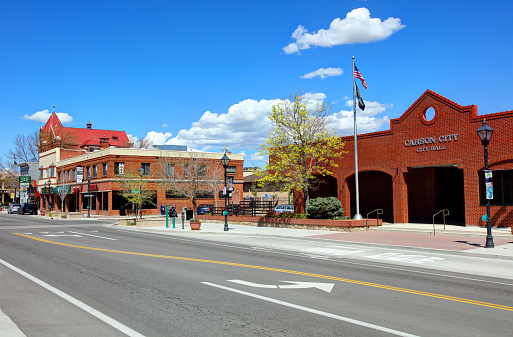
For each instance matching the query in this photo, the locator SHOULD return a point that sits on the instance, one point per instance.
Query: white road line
(319, 257)
(313, 311)
(96, 236)
(110, 321)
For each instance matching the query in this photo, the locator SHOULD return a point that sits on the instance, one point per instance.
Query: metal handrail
(378, 212)
(445, 213)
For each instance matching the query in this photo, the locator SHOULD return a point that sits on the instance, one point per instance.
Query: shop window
(172, 194)
(105, 199)
(502, 188)
(151, 203)
(205, 195)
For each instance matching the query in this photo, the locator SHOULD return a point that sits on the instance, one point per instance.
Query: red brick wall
(386, 152)
(132, 163)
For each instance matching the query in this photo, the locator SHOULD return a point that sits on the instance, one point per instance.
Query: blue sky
(204, 73)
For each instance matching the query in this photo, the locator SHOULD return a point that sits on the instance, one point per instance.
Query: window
(115, 138)
(146, 167)
(40, 174)
(95, 171)
(74, 174)
(88, 174)
(52, 174)
(170, 170)
(91, 149)
(170, 194)
(59, 177)
(231, 170)
(119, 168)
(502, 188)
(105, 168)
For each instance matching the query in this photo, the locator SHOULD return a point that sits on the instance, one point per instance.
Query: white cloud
(323, 73)
(357, 27)
(42, 116)
(245, 126)
(343, 121)
(164, 125)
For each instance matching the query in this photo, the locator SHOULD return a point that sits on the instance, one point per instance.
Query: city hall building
(429, 160)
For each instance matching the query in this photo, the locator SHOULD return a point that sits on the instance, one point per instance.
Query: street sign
(135, 191)
(88, 195)
(24, 179)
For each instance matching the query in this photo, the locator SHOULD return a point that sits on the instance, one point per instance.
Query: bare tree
(191, 176)
(145, 143)
(132, 187)
(25, 148)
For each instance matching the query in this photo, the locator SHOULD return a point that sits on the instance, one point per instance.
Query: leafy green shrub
(131, 223)
(64, 216)
(324, 208)
(288, 215)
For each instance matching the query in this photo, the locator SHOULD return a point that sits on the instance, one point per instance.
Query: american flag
(357, 74)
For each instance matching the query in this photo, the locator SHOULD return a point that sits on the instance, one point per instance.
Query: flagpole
(357, 215)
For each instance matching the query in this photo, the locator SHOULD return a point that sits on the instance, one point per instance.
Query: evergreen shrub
(324, 208)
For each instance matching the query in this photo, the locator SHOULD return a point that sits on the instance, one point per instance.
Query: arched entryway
(376, 191)
(325, 186)
(432, 189)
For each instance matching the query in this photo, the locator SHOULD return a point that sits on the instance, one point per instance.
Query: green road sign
(24, 179)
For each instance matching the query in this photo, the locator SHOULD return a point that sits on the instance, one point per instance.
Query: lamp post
(88, 195)
(485, 133)
(141, 172)
(225, 160)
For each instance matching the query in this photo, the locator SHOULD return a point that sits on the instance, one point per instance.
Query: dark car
(28, 209)
(204, 209)
(13, 208)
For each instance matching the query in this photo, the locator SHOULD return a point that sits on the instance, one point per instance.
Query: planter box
(322, 224)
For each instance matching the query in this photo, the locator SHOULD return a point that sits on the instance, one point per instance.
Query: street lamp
(88, 195)
(225, 160)
(141, 172)
(485, 133)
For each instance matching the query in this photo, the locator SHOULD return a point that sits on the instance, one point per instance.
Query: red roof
(87, 136)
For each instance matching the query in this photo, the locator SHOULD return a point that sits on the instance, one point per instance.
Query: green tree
(301, 145)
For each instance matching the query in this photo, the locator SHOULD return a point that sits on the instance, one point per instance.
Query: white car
(13, 208)
(284, 209)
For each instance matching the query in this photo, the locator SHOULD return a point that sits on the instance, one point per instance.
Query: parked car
(13, 208)
(284, 209)
(204, 209)
(28, 209)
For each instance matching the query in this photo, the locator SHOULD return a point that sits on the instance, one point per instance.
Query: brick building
(430, 159)
(107, 157)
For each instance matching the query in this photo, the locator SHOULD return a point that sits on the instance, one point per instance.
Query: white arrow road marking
(327, 287)
(314, 311)
(96, 236)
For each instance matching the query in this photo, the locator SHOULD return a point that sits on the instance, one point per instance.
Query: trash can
(189, 214)
(162, 209)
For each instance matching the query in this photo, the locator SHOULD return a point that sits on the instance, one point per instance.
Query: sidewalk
(455, 239)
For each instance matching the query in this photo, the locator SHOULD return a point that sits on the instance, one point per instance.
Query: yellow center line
(333, 278)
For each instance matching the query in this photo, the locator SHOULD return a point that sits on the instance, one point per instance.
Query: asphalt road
(63, 278)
